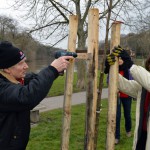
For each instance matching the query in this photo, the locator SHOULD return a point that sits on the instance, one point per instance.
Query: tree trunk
(81, 64)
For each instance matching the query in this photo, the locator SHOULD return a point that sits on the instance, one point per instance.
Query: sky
(6, 9)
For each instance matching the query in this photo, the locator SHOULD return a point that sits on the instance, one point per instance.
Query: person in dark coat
(20, 93)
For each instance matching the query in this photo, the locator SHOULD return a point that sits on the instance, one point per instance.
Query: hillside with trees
(11, 31)
(50, 20)
(139, 43)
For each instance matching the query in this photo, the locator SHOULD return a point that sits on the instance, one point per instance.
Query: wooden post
(92, 68)
(113, 89)
(73, 25)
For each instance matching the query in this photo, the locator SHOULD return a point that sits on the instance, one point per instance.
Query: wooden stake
(92, 68)
(73, 25)
(113, 89)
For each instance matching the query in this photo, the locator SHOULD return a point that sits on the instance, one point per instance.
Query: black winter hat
(9, 55)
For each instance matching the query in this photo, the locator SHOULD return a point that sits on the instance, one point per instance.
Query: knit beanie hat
(9, 55)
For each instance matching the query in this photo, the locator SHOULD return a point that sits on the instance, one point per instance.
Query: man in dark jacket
(19, 93)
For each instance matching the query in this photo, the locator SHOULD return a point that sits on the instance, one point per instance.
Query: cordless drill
(61, 53)
(65, 53)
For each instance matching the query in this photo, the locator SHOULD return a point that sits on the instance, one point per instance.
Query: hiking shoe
(116, 141)
(128, 134)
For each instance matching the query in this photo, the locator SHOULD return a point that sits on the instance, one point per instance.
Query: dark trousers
(141, 144)
(126, 103)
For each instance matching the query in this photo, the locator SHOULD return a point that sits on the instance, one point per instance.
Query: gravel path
(77, 98)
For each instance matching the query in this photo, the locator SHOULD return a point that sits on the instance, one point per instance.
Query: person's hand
(120, 52)
(110, 59)
(61, 63)
(117, 50)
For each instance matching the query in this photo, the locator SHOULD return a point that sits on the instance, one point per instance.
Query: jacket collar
(9, 77)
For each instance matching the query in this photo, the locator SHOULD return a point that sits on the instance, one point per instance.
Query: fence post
(73, 25)
(92, 72)
(113, 89)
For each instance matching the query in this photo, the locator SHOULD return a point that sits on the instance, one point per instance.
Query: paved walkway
(57, 102)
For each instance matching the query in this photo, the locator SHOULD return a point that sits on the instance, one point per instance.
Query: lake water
(36, 65)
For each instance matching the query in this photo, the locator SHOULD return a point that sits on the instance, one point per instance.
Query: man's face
(19, 70)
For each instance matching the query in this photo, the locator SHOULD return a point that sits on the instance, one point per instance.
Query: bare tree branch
(64, 16)
(55, 23)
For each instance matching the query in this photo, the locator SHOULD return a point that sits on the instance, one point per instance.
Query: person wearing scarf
(139, 88)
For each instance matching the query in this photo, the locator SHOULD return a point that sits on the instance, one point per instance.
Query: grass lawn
(59, 85)
(47, 134)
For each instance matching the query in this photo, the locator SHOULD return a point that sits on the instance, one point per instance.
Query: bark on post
(113, 89)
(92, 68)
(73, 25)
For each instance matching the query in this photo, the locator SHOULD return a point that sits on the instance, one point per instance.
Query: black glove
(120, 52)
(110, 60)
(117, 50)
(127, 59)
